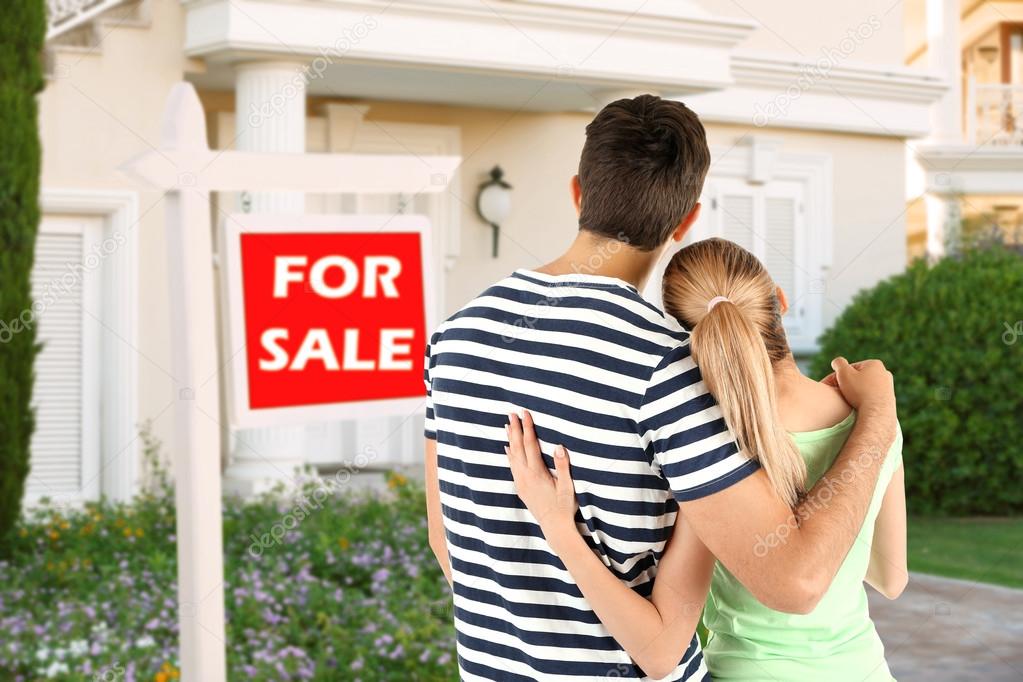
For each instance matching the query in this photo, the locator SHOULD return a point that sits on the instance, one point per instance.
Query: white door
(66, 291)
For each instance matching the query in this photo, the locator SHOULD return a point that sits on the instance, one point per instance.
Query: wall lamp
(493, 202)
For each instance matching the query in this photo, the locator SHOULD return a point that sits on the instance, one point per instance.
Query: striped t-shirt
(610, 377)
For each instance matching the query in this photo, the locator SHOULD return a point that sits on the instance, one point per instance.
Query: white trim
(797, 93)
(232, 227)
(638, 48)
(854, 79)
(64, 16)
(963, 169)
(119, 443)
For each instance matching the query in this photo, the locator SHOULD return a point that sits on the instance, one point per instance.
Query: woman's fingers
(564, 471)
(532, 445)
(516, 453)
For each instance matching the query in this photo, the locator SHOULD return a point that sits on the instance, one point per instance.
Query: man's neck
(591, 254)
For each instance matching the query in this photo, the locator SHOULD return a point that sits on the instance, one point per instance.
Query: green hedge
(21, 77)
(952, 333)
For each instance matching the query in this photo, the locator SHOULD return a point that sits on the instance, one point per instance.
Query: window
(66, 443)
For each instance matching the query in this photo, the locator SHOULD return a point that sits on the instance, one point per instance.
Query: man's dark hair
(642, 170)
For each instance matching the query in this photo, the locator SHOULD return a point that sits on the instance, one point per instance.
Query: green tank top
(836, 642)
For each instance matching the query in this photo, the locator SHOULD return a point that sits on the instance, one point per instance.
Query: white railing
(995, 114)
(65, 15)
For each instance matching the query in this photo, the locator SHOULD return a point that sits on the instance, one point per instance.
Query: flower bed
(322, 585)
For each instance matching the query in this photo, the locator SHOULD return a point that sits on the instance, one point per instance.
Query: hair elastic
(714, 301)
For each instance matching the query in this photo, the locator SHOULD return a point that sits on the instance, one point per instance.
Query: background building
(967, 179)
(808, 107)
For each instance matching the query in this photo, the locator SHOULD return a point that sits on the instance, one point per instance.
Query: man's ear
(783, 301)
(577, 194)
(687, 222)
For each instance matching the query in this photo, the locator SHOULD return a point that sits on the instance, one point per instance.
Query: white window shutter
(65, 445)
(786, 256)
(738, 217)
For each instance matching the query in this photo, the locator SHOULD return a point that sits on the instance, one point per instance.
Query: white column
(270, 117)
(944, 56)
(270, 106)
(944, 222)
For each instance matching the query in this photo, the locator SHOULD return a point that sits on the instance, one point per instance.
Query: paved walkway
(943, 630)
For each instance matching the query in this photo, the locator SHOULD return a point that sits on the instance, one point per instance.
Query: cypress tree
(22, 33)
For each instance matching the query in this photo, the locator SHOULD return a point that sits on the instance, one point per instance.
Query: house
(967, 178)
(808, 108)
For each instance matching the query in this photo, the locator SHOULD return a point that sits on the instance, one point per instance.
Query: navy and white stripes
(608, 376)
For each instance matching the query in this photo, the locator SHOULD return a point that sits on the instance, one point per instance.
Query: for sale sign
(328, 316)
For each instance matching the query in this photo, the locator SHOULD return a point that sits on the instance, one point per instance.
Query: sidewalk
(942, 630)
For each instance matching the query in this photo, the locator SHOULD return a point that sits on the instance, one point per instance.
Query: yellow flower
(139, 532)
(65, 525)
(167, 672)
(160, 677)
(127, 532)
(23, 532)
(119, 522)
(343, 543)
(54, 535)
(396, 480)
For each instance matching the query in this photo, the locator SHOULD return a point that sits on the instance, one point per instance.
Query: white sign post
(188, 171)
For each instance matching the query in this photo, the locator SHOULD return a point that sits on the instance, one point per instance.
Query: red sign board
(328, 314)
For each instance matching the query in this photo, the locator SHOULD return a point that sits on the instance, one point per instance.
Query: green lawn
(988, 550)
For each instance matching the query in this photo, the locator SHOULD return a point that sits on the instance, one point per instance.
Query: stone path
(943, 630)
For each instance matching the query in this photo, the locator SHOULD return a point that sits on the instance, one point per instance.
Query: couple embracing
(601, 476)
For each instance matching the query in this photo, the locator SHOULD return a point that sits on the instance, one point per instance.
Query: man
(608, 376)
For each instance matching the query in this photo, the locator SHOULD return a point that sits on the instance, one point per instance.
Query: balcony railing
(995, 114)
(65, 15)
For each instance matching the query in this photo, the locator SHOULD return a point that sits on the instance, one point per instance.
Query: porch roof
(966, 169)
(530, 54)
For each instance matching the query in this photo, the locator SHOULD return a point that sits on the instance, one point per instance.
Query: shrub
(317, 587)
(952, 333)
(21, 48)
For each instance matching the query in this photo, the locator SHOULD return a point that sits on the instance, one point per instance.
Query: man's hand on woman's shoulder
(869, 387)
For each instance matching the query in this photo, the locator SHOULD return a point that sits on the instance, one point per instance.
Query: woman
(796, 427)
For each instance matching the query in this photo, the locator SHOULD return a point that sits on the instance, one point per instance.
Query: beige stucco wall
(809, 28)
(100, 108)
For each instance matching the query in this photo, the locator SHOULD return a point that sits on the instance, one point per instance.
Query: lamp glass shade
(495, 204)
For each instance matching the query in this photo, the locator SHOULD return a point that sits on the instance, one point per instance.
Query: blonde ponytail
(730, 342)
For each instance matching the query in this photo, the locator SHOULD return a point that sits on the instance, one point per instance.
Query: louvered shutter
(768, 220)
(786, 258)
(65, 445)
